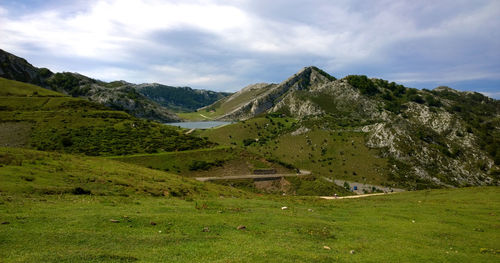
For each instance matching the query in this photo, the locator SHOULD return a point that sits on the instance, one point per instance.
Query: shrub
(247, 142)
(433, 102)
(80, 191)
(363, 84)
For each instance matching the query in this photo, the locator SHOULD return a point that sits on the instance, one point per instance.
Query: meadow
(458, 225)
(63, 208)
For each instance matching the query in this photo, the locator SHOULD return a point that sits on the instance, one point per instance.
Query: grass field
(458, 225)
(63, 208)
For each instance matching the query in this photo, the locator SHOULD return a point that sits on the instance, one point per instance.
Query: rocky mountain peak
(306, 77)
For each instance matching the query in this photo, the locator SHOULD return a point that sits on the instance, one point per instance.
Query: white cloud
(189, 74)
(107, 28)
(114, 34)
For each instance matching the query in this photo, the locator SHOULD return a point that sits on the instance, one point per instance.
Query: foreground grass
(459, 225)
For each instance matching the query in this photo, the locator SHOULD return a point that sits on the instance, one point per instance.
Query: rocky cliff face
(441, 137)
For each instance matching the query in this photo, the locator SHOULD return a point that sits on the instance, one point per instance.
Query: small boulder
(241, 227)
(206, 229)
(352, 252)
(327, 247)
(114, 221)
(284, 208)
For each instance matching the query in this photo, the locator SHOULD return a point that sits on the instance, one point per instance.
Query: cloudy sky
(225, 45)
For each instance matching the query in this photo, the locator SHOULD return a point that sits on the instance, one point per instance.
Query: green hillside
(53, 122)
(340, 154)
(16, 88)
(117, 95)
(218, 161)
(30, 172)
(233, 161)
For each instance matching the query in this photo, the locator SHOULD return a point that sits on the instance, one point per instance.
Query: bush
(80, 191)
(67, 142)
(363, 83)
(433, 102)
(204, 165)
(247, 142)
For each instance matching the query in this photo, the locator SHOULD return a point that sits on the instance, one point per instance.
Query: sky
(224, 45)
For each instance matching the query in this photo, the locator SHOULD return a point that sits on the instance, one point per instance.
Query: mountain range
(425, 138)
(439, 137)
(151, 101)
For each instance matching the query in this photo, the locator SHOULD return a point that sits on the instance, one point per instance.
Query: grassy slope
(221, 161)
(16, 88)
(27, 172)
(228, 161)
(454, 225)
(222, 106)
(79, 126)
(339, 155)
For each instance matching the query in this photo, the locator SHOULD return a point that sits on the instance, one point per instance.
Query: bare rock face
(435, 144)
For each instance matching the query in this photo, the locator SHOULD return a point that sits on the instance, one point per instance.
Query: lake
(199, 124)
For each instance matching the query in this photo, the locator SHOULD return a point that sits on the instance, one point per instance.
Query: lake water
(199, 124)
